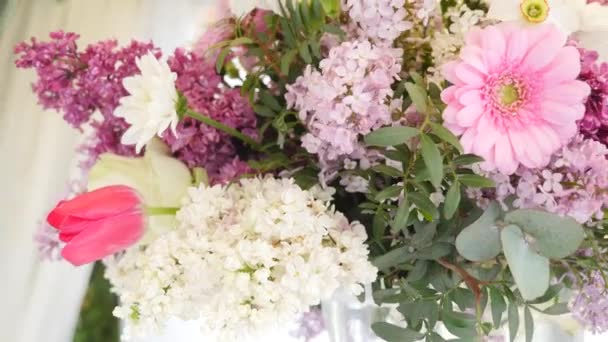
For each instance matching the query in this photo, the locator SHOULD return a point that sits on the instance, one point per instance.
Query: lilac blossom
(590, 305)
(349, 96)
(573, 184)
(309, 325)
(594, 124)
(197, 144)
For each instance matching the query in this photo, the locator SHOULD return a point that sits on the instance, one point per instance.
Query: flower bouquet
(448, 156)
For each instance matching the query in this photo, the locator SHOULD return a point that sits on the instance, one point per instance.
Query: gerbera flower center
(508, 93)
(535, 11)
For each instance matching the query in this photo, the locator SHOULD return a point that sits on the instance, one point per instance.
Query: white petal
(505, 10)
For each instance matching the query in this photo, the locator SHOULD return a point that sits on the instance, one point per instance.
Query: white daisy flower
(150, 106)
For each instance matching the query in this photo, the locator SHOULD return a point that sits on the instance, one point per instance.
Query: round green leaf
(481, 240)
(530, 270)
(556, 237)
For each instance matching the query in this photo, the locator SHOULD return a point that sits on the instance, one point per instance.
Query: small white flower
(586, 21)
(150, 106)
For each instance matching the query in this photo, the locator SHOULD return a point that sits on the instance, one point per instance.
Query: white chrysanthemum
(247, 257)
(150, 106)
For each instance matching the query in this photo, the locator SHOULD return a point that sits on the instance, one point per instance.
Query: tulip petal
(105, 237)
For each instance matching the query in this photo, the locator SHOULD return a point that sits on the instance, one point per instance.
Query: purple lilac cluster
(347, 98)
(309, 325)
(197, 144)
(573, 184)
(595, 123)
(79, 83)
(590, 304)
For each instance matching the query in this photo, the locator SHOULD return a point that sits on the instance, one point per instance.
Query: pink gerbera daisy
(515, 98)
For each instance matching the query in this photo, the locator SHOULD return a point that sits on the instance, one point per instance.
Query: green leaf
(388, 170)
(419, 310)
(476, 181)
(466, 159)
(424, 234)
(513, 320)
(556, 237)
(403, 213)
(221, 58)
(393, 333)
(418, 96)
(530, 270)
(551, 293)
(445, 135)
(395, 257)
(390, 192)
(481, 240)
(270, 101)
(390, 136)
(432, 159)
(452, 200)
(424, 205)
(436, 251)
(529, 324)
(419, 271)
(286, 61)
(305, 53)
(435, 337)
(498, 306)
(379, 224)
(264, 111)
(459, 324)
(557, 309)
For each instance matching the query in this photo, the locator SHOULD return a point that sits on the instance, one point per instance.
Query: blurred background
(54, 301)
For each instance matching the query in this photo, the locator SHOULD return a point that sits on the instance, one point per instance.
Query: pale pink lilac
(380, 21)
(543, 99)
(349, 96)
(309, 325)
(573, 184)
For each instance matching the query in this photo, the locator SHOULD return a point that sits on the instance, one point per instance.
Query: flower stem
(161, 211)
(226, 129)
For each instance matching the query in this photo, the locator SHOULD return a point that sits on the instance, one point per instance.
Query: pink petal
(545, 50)
(565, 67)
(449, 72)
(93, 205)
(519, 145)
(486, 136)
(569, 93)
(449, 114)
(474, 57)
(467, 116)
(503, 156)
(447, 95)
(474, 37)
(469, 75)
(558, 113)
(104, 237)
(493, 40)
(470, 97)
(467, 140)
(517, 46)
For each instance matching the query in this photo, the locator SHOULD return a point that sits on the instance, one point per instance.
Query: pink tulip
(98, 223)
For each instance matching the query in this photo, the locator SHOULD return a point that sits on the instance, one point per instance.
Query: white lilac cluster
(446, 44)
(246, 257)
(380, 21)
(348, 97)
(574, 183)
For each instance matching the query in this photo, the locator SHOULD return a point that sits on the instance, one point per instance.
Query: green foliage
(481, 240)
(96, 322)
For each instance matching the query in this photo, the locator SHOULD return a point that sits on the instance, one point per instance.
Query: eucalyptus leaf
(556, 237)
(481, 240)
(530, 270)
(390, 136)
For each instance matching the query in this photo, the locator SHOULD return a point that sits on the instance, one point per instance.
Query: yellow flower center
(535, 11)
(508, 94)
